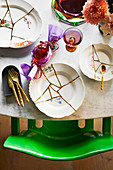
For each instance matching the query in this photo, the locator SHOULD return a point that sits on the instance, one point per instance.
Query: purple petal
(55, 33)
(26, 70)
(33, 72)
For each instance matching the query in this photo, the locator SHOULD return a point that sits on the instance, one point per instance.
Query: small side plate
(6, 89)
(105, 54)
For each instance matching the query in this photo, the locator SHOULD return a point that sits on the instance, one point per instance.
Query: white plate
(25, 31)
(105, 54)
(73, 93)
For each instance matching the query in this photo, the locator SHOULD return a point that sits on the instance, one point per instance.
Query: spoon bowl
(102, 71)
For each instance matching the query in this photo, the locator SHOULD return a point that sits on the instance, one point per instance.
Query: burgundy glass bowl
(72, 7)
(72, 37)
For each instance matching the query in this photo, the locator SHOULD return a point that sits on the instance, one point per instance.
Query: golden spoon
(102, 70)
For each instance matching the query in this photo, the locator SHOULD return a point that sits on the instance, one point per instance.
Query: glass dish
(72, 38)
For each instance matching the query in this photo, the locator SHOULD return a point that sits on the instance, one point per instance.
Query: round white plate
(27, 24)
(105, 54)
(72, 93)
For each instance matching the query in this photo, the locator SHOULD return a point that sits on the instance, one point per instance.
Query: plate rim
(41, 23)
(67, 114)
(80, 61)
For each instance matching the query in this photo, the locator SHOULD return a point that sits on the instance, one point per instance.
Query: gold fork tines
(19, 93)
(16, 78)
(11, 85)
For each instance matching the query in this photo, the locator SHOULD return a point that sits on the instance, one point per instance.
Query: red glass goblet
(72, 37)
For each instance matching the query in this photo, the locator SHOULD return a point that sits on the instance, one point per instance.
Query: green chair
(60, 140)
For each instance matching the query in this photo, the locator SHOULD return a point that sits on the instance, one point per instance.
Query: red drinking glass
(72, 37)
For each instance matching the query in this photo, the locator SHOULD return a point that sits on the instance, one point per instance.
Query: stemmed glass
(72, 37)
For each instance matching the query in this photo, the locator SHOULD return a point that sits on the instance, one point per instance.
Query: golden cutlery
(15, 77)
(102, 70)
(11, 85)
(19, 93)
(26, 98)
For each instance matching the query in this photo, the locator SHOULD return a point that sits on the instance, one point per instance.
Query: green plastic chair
(60, 140)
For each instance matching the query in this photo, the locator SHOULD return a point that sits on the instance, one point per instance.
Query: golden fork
(11, 85)
(15, 77)
(15, 81)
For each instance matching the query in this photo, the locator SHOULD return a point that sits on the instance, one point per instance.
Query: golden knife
(20, 95)
(26, 98)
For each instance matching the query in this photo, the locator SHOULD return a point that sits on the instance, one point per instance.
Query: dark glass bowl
(72, 7)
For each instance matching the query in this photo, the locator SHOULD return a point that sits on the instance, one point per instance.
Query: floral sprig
(5, 23)
(107, 28)
(95, 12)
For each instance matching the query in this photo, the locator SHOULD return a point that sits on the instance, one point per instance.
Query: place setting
(96, 62)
